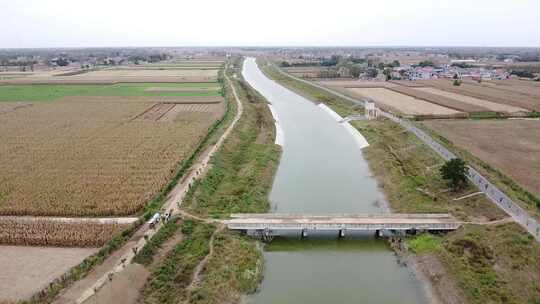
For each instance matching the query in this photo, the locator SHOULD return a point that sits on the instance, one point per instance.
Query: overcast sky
(76, 23)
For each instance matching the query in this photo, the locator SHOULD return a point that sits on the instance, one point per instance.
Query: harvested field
(513, 146)
(32, 93)
(531, 88)
(145, 99)
(80, 157)
(487, 93)
(156, 111)
(123, 76)
(471, 102)
(140, 73)
(440, 99)
(407, 83)
(12, 106)
(43, 232)
(27, 270)
(407, 105)
(172, 89)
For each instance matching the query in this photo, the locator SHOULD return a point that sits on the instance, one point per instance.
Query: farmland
(135, 74)
(44, 232)
(487, 93)
(403, 103)
(437, 99)
(79, 144)
(513, 146)
(53, 92)
(95, 156)
(51, 263)
(472, 104)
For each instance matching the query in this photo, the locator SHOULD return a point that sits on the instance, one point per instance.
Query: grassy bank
(239, 180)
(488, 263)
(407, 171)
(243, 169)
(171, 276)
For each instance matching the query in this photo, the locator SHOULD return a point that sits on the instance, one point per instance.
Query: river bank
(215, 265)
(481, 263)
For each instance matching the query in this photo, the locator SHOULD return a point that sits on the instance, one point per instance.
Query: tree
(62, 62)
(388, 73)
(455, 171)
(355, 70)
(426, 63)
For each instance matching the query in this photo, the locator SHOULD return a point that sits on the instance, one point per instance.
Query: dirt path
(116, 263)
(196, 279)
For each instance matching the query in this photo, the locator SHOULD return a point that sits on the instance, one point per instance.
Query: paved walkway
(492, 192)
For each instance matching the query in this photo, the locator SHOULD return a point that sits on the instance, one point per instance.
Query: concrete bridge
(269, 225)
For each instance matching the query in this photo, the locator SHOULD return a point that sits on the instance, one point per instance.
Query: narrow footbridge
(275, 224)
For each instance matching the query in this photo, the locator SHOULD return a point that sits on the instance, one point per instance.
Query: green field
(53, 92)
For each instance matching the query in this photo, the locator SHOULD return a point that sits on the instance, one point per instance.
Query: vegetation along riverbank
(219, 266)
(489, 260)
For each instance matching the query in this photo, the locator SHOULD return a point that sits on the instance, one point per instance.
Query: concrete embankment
(359, 139)
(280, 136)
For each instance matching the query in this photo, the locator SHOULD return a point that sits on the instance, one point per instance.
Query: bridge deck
(343, 221)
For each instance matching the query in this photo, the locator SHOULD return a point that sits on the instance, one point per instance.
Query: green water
(322, 170)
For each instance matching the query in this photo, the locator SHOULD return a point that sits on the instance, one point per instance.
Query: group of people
(156, 218)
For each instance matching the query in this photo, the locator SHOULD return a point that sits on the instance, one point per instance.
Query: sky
(111, 23)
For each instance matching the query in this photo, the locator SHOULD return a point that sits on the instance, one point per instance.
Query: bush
(424, 243)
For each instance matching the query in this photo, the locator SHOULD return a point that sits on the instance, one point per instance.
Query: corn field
(93, 158)
(43, 232)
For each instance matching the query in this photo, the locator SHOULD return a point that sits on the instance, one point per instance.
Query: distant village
(411, 65)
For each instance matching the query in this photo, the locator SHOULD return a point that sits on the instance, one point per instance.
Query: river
(322, 170)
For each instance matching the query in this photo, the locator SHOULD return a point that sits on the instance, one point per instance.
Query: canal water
(322, 170)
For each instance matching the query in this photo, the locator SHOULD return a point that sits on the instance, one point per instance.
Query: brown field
(531, 88)
(165, 89)
(27, 270)
(122, 76)
(440, 99)
(513, 146)
(390, 100)
(487, 93)
(44, 232)
(92, 156)
(407, 83)
(471, 102)
(12, 106)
